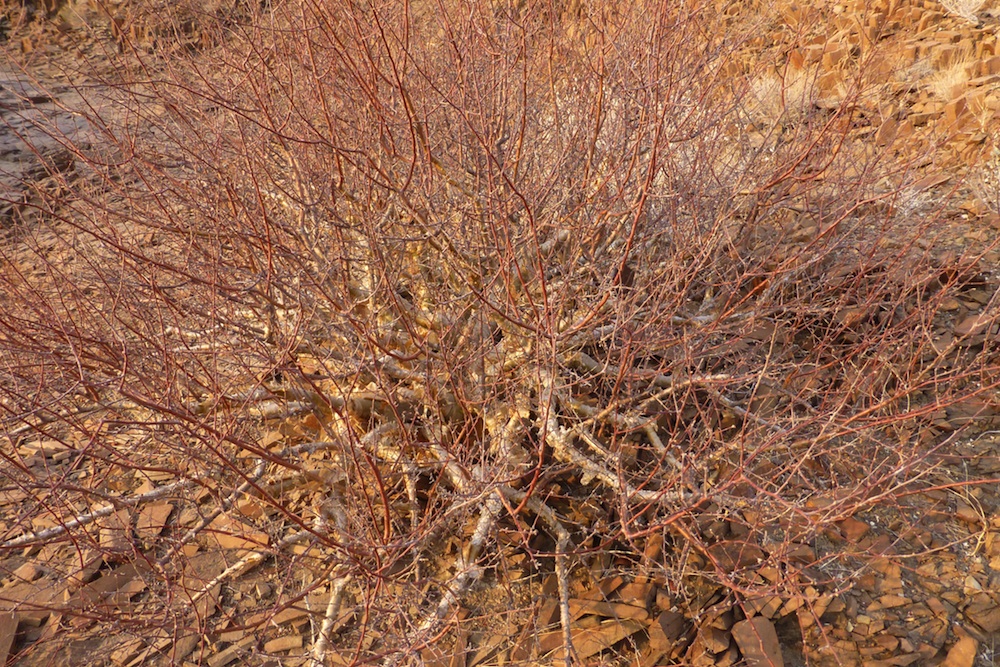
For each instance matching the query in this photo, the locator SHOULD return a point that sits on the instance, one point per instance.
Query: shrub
(401, 298)
(966, 9)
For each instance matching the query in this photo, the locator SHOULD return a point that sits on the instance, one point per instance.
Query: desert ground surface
(314, 354)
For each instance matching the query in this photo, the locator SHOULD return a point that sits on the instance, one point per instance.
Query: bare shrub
(399, 298)
(965, 9)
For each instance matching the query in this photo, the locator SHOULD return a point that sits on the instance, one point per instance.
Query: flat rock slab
(758, 642)
(8, 628)
(962, 654)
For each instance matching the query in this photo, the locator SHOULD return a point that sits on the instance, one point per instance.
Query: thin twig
(90, 517)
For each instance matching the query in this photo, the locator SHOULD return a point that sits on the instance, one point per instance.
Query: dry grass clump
(950, 81)
(415, 295)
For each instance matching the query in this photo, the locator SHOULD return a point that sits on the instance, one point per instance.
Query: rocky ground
(915, 582)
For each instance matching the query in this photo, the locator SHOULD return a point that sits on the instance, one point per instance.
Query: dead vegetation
(485, 330)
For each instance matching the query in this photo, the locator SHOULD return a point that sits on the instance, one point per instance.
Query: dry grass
(949, 82)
